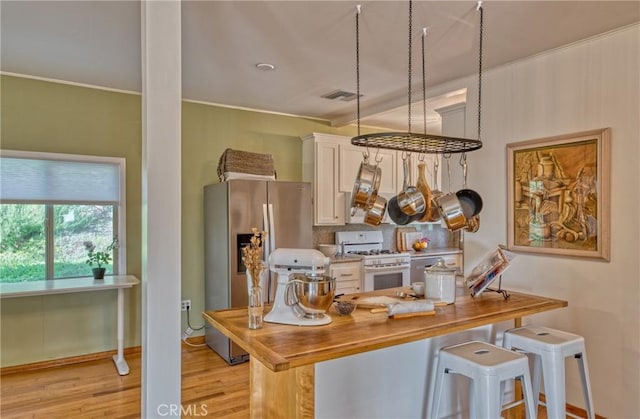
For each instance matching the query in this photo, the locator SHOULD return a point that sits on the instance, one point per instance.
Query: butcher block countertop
(282, 347)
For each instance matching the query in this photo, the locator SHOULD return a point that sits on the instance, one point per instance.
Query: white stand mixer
(285, 262)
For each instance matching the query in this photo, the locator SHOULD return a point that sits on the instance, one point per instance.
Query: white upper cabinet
(350, 158)
(320, 163)
(331, 163)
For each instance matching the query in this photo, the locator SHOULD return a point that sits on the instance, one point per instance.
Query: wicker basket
(237, 161)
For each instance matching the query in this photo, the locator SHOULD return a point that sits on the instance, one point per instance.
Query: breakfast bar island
(364, 364)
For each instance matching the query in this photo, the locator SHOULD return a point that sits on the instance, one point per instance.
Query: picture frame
(558, 195)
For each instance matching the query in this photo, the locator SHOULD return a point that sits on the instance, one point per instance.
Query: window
(50, 204)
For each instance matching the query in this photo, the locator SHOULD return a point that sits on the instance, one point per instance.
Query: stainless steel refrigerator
(231, 210)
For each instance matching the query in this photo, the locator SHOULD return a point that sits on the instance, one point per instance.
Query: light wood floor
(95, 390)
(210, 387)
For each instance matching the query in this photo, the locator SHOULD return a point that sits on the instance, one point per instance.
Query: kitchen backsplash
(439, 238)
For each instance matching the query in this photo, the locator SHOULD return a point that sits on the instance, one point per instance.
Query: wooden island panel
(283, 357)
(280, 347)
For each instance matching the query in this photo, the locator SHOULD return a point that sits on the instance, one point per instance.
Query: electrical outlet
(186, 305)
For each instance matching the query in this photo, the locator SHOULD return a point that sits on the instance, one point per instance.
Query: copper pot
(366, 185)
(395, 209)
(375, 214)
(473, 224)
(451, 211)
(410, 199)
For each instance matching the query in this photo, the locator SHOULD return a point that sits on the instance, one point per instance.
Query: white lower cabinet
(348, 277)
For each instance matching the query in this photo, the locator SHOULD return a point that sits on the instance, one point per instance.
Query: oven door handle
(387, 268)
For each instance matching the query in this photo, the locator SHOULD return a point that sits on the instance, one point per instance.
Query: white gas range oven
(381, 268)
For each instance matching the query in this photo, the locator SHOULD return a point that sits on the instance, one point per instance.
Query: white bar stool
(487, 366)
(550, 347)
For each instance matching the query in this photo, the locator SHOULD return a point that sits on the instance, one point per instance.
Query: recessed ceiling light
(265, 66)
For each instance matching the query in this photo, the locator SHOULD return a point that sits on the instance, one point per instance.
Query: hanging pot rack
(418, 143)
(411, 141)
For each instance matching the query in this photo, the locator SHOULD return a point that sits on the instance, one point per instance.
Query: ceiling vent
(340, 95)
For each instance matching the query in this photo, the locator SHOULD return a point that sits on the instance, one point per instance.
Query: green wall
(52, 117)
(57, 118)
(206, 132)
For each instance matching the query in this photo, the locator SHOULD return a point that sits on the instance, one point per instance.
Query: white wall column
(161, 205)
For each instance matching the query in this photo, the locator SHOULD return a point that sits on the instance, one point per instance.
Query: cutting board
(401, 244)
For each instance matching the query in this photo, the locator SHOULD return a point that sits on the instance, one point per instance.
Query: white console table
(72, 285)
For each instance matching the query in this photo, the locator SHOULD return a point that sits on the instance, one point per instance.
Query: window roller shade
(38, 180)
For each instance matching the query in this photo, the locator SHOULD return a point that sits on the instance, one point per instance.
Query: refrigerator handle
(265, 223)
(272, 230)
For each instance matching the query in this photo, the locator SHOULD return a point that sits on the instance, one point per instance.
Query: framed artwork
(558, 195)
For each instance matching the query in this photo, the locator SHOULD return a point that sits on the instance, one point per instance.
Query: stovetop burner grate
(373, 252)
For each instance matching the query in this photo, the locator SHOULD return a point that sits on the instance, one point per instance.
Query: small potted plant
(99, 258)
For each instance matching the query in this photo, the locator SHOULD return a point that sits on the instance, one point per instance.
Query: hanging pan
(366, 184)
(375, 214)
(410, 199)
(473, 224)
(433, 213)
(470, 200)
(449, 206)
(402, 200)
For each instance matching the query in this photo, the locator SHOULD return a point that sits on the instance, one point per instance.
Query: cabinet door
(328, 202)
(348, 277)
(350, 159)
(454, 261)
(346, 288)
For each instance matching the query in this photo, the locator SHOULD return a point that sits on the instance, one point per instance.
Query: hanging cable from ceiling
(419, 142)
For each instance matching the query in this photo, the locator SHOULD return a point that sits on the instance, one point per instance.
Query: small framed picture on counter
(558, 195)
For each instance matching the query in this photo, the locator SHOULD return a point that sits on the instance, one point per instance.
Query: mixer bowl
(312, 293)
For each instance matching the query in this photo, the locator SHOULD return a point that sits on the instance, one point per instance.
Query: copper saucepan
(410, 199)
(473, 224)
(375, 214)
(366, 185)
(451, 211)
(395, 209)
(450, 208)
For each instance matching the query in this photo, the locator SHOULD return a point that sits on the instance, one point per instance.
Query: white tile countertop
(429, 252)
(345, 259)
